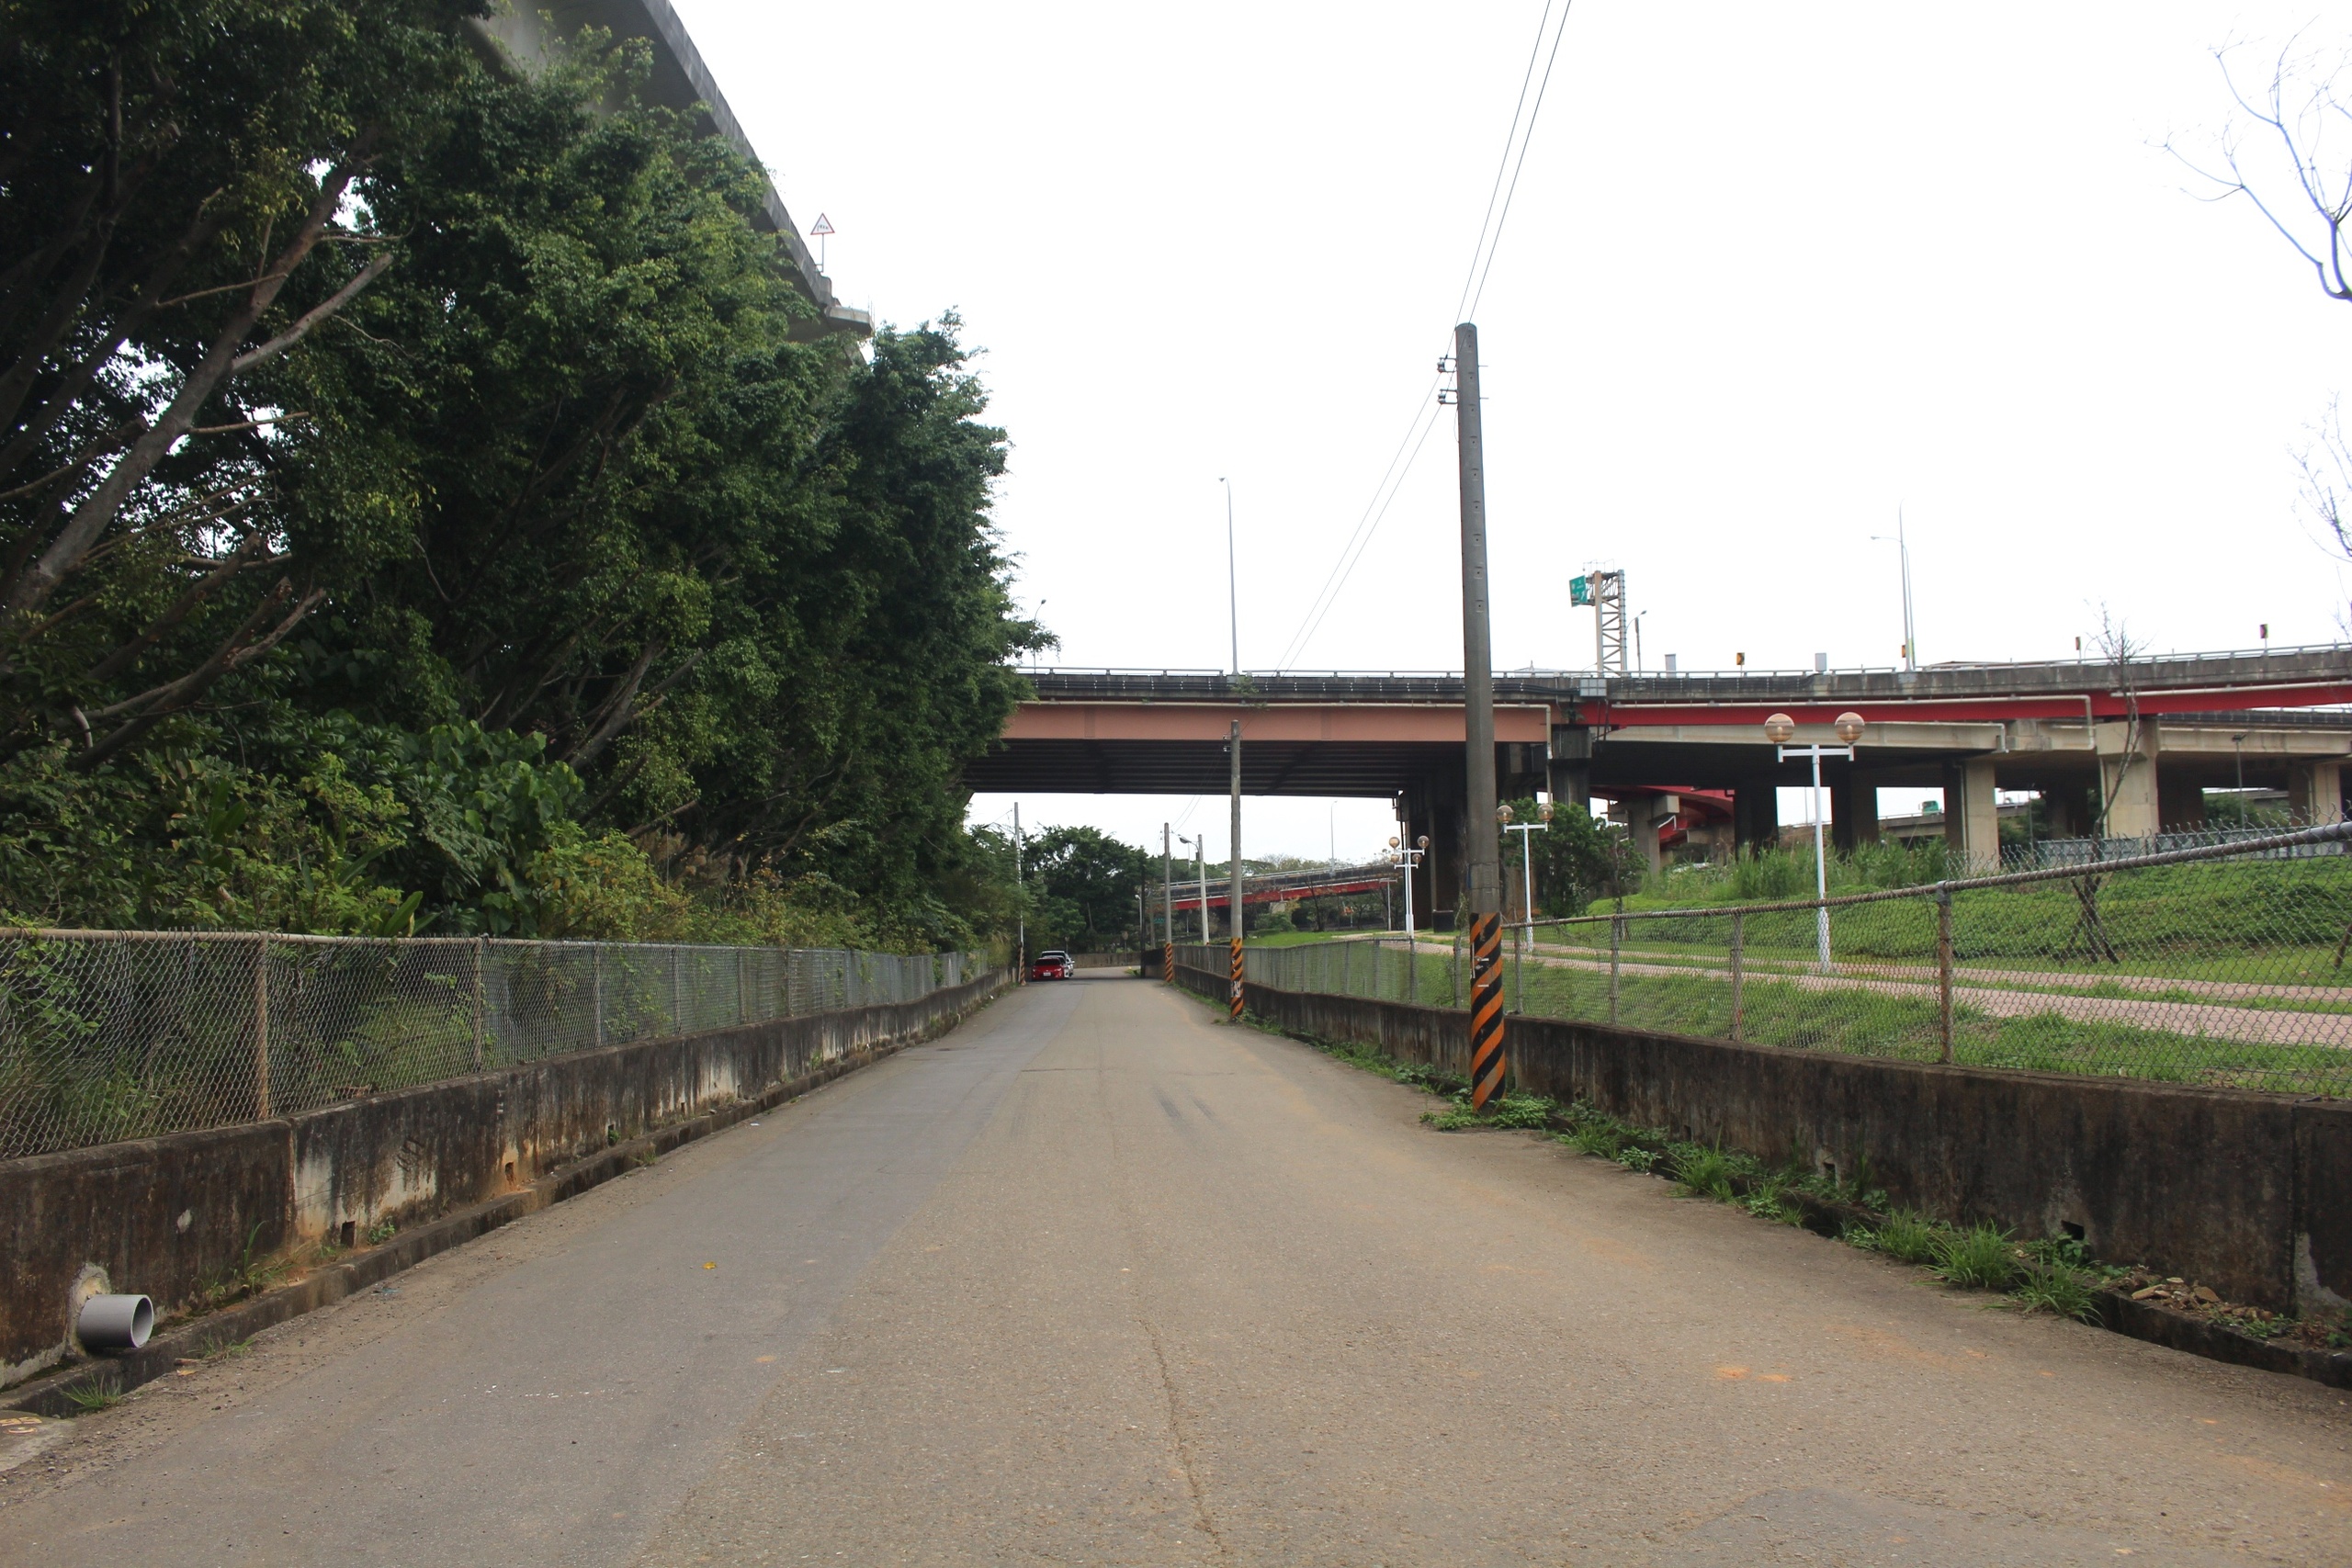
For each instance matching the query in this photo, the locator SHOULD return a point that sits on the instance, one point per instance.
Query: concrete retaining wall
(175, 1217)
(2249, 1193)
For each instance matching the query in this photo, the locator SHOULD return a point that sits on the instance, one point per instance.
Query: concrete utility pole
(1482, 875)
(1020, 914)
(1167, 904)
(1234, 744)
(1201, 875)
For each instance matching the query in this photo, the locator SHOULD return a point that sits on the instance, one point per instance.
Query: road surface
(1098, 1279)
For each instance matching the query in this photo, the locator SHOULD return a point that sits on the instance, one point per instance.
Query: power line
(1524, 141)
(1473, 288)
(1512, 135)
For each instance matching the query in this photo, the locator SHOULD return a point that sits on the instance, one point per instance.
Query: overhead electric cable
(1473, 288)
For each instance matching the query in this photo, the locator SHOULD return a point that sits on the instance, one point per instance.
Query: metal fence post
(596, 984)
(1738, 979)
(1616, 944)
(1518, 958)
(481, 955)
(1943, 963)
(261, 1029)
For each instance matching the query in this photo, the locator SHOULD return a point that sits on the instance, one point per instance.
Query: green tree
(1576, 859)
(1084, 884)
(376, 405)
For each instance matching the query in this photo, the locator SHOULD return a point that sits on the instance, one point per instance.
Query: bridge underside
(1365, 770)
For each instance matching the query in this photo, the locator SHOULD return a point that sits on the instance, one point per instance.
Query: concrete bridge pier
(1570, 766)
(2315, 791)
(1972, 813)
(1756, 814)
(2127, 777)
(1853, 810)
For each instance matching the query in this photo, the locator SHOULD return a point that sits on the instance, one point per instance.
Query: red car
(1054, 964)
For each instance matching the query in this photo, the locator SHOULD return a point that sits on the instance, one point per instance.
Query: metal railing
(108, 1035)
(2222, 964)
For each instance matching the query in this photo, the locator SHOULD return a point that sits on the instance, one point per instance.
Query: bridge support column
(1755, 814)
(2127, 778)
(1441, 809)
(2315, 792)
(2180, 804)
(1971, 815)
(1570, 767)
(1853, 810)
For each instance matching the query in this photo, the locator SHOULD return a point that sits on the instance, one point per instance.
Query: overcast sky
(1770, 274)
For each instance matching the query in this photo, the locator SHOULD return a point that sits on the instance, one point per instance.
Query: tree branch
(96, 512)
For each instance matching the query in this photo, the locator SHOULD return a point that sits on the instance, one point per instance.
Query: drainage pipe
(116, 1323)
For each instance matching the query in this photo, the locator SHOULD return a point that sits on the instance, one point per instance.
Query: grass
(1980, 1258)
(2055, 1287)
(102, 1392)
(1905, 1237)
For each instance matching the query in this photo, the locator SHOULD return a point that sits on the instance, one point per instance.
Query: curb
(161, 1356)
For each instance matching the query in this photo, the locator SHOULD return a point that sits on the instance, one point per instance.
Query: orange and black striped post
(1486, 1009)
(1237, 980)
(1168, 961)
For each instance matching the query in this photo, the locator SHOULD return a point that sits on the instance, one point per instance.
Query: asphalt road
(1096, 1278)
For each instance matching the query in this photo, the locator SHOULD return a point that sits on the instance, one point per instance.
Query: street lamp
(1526, 851)
(1201, 865)
(1408, 857)
(1903, 547)
(1779, 729)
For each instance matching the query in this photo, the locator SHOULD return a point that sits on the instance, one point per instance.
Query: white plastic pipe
(116, 1323)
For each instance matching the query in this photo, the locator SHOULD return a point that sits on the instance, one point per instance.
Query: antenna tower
(1605, 593)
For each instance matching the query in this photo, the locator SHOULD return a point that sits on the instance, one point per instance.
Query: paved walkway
(1096, 1280)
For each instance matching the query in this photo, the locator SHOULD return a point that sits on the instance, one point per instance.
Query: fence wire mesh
(2222, 964)
(106, 1035)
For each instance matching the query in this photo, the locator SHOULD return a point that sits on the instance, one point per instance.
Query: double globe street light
(1780, 729)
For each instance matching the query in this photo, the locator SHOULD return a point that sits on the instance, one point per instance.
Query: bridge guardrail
(108, 1035)
(2222, 964)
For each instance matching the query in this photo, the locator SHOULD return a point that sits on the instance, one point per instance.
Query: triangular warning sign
(824, 226)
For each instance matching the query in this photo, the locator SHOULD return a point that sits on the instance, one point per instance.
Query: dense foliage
(417, 509)
(1082, 887)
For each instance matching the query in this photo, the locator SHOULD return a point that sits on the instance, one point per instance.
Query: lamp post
(1780, 729)
(1201, 870)
(1903, 556)
(1527, 854)
(1408, 857)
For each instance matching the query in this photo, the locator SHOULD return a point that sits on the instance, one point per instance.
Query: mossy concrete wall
(2248, 1193)
(175, 1217)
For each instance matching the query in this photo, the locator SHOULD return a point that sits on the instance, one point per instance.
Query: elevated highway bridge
(2143, 739)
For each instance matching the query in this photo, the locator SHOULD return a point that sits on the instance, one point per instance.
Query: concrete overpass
(2145, 738)
(528, 37)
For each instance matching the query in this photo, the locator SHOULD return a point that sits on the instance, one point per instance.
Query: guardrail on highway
(2222, 964)
(108, 1035)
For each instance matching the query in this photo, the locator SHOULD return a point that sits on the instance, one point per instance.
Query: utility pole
(1201, 875)
(1482, 875)
(1234, 744)
(1167, 905)
(1232, 577)
(1020, 907)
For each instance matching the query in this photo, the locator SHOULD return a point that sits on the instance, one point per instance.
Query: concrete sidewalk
(1098, 1279)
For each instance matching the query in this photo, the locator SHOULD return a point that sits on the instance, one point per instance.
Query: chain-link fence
(106, 1035)
(2220, 965)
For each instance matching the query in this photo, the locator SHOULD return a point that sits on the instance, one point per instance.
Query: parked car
(1052, 965)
